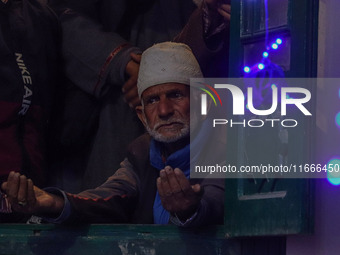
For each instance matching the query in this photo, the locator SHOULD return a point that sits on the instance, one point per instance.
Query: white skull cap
(167, 62)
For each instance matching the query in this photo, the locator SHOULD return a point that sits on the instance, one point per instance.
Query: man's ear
(140, 114)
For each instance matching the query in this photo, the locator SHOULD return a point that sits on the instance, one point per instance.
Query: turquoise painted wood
(49, 239)
(109, 239)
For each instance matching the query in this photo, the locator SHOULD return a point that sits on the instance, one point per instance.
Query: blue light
(246, 69)
(279, 41)
(275, 46)
(337, 119)
(273, 86)
(339, 93)
(260, 66)
(265, 54)
(333, 174)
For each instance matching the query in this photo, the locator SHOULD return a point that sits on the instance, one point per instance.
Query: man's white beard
(193, 122)
(183, 132)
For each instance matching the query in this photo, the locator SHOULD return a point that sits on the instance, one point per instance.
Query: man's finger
(225, 7)
(4, 186)
(131, 93)
(182, 180)
(136, 57)
(132, 68)
(134, 102)
(224, 14)
(131, 97)
(30, 192)
(165, 184)
(22, 191)
(173, 182)
(131, 83)
(160, 187)
(197, 188)
(166, 197)
(13, 186)
(163, 192)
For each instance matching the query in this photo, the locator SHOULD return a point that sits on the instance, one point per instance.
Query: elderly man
(152, 185)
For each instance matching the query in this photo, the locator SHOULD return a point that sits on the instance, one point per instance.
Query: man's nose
(165, 108)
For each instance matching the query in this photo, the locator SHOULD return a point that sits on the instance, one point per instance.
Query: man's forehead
(164, 88)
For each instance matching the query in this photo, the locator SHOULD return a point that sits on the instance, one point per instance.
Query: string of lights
(265, 57)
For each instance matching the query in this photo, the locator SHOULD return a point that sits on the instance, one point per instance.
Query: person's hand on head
(225, 11)
(223, 7)
(178, 196)
(24, 197)
(130, 87)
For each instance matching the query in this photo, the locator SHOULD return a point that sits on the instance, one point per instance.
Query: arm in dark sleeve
(211, 209)
(112, 202)
(94, 57)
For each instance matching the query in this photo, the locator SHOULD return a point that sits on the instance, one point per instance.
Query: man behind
(152, 185)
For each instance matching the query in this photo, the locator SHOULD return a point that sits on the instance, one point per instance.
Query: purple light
(279, 41)
(246, 69)
(337, 119)
(260, 66)
(265, 54)
(333, 171)
(275, 46)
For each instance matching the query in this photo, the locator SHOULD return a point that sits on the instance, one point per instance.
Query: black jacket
(28, 72)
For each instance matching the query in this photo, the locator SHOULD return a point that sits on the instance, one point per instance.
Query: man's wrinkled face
(166, 111)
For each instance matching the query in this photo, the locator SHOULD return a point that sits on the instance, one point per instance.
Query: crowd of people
(81, 81)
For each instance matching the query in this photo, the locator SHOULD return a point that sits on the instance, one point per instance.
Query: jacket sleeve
(112, 202)
(211, 210)
(94, 57)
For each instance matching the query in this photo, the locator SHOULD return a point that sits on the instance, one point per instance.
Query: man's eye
(175, 95)
(151, 100)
